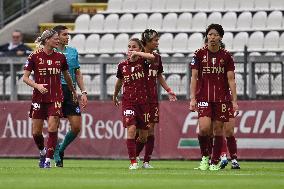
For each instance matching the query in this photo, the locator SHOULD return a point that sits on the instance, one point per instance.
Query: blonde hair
(47, 34)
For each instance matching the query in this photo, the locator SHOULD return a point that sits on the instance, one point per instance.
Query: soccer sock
(217, 149)
(210, 145)
(139, 147)
(232, 146)
(42, 152)
(224, 148)
(149, 147)
(51, 144)
(204, 144)
(131, 146)
(70, 136)
(39, 140)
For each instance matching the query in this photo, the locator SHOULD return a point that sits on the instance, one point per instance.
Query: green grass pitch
(99, 174)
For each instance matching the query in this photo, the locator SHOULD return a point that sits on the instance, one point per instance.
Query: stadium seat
(261, 4)
(228, 40)
(143, 6)
(170, 22)
(136, 35)
(120, 43)
(271, 41)
(82, 23)
(158, 5)
(232, 5)
(155, 21)
(240, 40)
(183, 85)
(78, 41)
(164, 55)
(106, 43)
(174, 82)
(259, 20)
(90, 56)
(195, 41)
(125, 23)
(199, 21)
(255, 42)
(180, 43)
(244, 21)
(22, 88)
(140, 22)
(214, 17)
(111, 22)
(165, 43)
(97, 23)
(202, 5)
(262, 85)
(105, 55)
(184, 22)
(129, 5)
(111, 68)
(187, 5)
(274, 20)
(229, 21)
(276, 5)
(178, 55)
(281, 41)
(246, 4)
(119, 55)
(1, 84)
(8, 85)
(114, 5)
(110, 82)
(216, 5)
(276, 85)
(96, 83)
(240, 84)
(173, 5)
(92, 43)
(276, 67)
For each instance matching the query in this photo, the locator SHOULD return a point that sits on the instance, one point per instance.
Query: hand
(115, 101)
(84, 100)
(41, 88)
(235, 107)
(192, 105)
(131, 55)
(172, 96)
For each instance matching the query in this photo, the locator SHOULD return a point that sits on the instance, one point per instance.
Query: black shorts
(69, 107)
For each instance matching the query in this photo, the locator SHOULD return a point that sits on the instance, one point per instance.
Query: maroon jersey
(212, 81)
(47, 70)
(155, 68)
(133, 75)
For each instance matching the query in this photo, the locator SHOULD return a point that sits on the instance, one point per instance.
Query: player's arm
(193, 84)
(148, 56)
(68, 80)
(28, 81)
(80, 82)
(171, 94)
(117, 88)
(232, 85)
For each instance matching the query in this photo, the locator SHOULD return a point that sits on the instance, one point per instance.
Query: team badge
(132, 69)
(214, 61)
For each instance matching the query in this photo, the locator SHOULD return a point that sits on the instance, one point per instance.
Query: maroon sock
(51, 144)
(217, 149)
(39, 140)
(210, 146)
(131, 146)
(149, 147)
(232, 146)
(224, 147)
(139, 147)
(204, 145)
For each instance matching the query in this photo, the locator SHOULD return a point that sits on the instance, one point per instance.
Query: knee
(218, 131)
(142, 139)
(203, 131)
(76, 130)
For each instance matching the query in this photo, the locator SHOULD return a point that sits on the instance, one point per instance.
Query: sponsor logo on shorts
(36, 106)
(202, 104)
(78, 110)
(128, 113)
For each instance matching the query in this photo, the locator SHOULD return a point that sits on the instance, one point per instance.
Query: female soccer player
(132, 74)
(150, 40)
(212, 79)
(47, 99)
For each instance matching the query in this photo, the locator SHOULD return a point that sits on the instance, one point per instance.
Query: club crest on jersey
(132, 69)
(49, 62)
(204, 58)
(57, 62)
(214, 60)
(124, 69)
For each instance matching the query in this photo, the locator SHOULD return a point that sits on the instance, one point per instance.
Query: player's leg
(39, 140)
(231, 142)
(140, 143)
(131, 146)
(204, 123)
